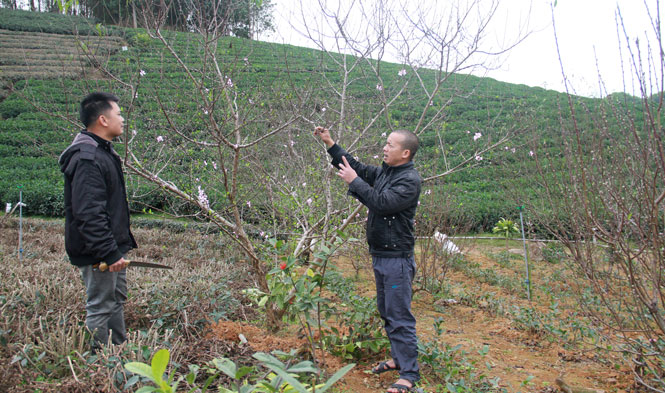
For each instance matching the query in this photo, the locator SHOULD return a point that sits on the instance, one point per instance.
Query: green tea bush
(14, 106)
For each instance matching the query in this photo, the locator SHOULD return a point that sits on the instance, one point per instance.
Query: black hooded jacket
(391, 196)
(96, 209)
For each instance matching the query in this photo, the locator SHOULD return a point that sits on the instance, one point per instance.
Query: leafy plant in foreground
(283, 378)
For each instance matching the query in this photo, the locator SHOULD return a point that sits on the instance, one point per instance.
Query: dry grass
(43, 341)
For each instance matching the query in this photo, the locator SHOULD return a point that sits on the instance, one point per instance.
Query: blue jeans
(106, 295)
(393, 298)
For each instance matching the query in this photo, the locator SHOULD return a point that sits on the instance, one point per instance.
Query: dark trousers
(393, 297)
(106, 295)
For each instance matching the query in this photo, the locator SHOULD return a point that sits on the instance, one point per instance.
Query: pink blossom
(249, 204)
(203, 198)
(133, 132)
(402, 72)
(376, 156)
(531, 153)
(205, 162)
(304, 184)
(477, 136)
(323, 109)
(427, 192)
(142, 73)
(309, 201)
(214, 165)
(379, 87)
(384, 134)
(512, 150)
(479, 158)
(160, 139)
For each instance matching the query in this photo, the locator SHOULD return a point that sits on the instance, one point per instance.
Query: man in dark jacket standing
(97, 216)
(391, 194)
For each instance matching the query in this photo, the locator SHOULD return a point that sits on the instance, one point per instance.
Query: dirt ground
(523, 362)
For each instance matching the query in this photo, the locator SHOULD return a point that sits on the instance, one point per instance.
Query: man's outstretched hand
(324, 134)
(346, 172)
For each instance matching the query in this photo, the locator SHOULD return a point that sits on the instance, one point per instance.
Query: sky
(586, 32)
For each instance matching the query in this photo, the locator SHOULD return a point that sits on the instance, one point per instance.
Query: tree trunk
(133, 15)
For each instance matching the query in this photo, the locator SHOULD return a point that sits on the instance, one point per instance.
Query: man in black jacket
(97, 216)
(391, 194)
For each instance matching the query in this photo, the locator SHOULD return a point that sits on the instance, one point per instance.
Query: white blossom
(203, 198)
(160, 138)
(124, 48)
(402, 72)
(379, 87)
(479, 158)
(142, 73)
(477, 136)
(323, 109)
(309, 201)
(531, 153)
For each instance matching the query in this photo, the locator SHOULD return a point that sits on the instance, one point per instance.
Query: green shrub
(14, 106)
(553, 252)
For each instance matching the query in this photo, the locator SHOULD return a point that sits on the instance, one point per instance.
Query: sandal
(383, 367)
(403, 388)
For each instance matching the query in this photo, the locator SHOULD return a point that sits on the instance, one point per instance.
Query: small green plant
(553, 252)
(506, 228)
(155, 372)
(452, 369)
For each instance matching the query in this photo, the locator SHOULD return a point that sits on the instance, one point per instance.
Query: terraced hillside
(49, 73)
(30, 55)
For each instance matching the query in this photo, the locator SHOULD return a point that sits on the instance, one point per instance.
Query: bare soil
(515, 356)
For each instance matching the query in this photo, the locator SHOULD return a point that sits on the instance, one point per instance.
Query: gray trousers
(106, 295)
(393, 298)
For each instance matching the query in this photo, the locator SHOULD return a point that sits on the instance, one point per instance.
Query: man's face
(113, 121)
(393, 154)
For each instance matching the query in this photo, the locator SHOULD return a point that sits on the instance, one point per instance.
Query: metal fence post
(526, 257)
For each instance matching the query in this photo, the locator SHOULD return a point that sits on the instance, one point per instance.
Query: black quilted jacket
(96, 209)
(391, 196)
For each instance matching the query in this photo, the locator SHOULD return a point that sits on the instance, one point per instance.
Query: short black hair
(410, 142)
(94, 104)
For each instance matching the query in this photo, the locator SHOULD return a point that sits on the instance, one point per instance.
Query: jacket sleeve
(392, 199)
(368, 173)
(89, 197)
